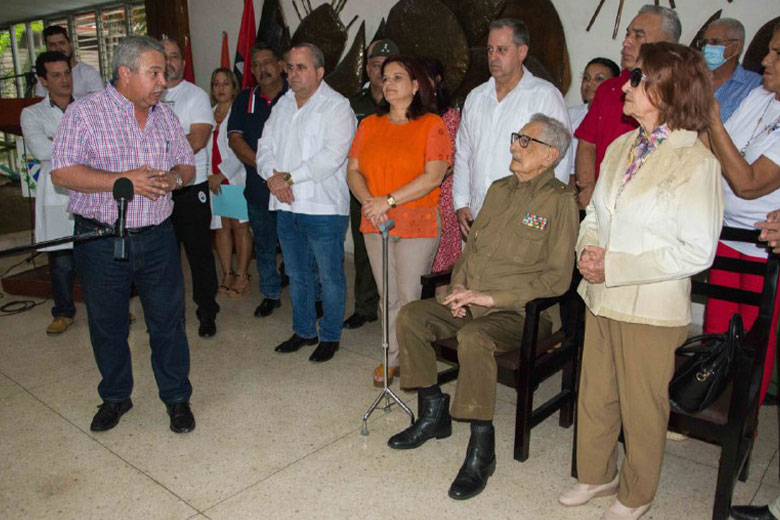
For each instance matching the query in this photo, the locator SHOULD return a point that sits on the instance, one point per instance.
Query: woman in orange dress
(397, 162)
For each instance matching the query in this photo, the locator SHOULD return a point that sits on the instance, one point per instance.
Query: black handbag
(704, 375)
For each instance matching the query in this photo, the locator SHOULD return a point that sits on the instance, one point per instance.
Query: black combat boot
(480, 463)
(433, 421)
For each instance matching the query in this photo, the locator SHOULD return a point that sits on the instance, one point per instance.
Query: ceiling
(19, 10)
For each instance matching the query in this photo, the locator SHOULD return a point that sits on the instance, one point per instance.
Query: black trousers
(366, 294)
(192, 222)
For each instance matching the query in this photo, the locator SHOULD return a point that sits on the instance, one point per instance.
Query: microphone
(123, 194)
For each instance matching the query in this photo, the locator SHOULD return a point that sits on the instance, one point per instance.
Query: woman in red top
(397, 162)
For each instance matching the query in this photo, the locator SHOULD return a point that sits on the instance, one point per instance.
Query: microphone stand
(101, 233)
(123, 193)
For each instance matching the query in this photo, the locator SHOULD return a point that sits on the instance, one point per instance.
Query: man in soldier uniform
(491, 283)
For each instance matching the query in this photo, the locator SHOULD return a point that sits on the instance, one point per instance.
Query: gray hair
(129, 51)
(734, 29)
(519, 30)
(554, 133)
(316, 54)
(670, 22)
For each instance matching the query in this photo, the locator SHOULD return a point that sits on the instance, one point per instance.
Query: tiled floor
(278, 437)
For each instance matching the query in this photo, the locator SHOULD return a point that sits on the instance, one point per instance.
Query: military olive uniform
(521, 247)
(366, 294)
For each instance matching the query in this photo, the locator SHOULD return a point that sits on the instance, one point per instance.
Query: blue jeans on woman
(307, 239)
(154, 267)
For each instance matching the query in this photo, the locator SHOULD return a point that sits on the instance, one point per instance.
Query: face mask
(713, 55)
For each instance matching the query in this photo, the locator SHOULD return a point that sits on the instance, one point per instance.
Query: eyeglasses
(701, 42)
(636, 77)
(524, 140)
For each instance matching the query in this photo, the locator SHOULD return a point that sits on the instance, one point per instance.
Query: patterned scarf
(644, 146)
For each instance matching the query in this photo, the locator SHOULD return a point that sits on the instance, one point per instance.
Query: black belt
(130, 231)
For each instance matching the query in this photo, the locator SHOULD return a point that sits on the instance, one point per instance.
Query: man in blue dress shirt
(722, 45)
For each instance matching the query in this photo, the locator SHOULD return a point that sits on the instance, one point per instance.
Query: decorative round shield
(430, 28)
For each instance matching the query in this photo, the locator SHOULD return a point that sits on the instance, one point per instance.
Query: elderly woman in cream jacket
(652, 223)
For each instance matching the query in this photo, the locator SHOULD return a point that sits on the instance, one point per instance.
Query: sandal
(379, 375)
(239, 291)
(224, 288)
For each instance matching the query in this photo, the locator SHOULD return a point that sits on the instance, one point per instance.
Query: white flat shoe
(618, 511)
(580, 494)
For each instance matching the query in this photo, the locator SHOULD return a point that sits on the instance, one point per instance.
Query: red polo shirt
(605, 121)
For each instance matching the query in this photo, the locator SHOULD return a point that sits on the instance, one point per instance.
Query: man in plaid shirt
(122, 131)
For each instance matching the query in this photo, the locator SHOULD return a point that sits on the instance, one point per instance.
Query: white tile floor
(278, 437)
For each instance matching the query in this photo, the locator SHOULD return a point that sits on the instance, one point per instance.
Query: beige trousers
(626, 369)
(408, 259)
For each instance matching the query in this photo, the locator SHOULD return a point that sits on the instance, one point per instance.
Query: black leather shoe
(480, 463)
(324, 351)
(752, 513)
(357, 320)
(207, 328)
(434, 421)
(295, 343)
(108, 415)
(318, 309)
(182, 420)
(266, 307)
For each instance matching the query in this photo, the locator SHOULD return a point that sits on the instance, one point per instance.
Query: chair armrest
(537, 305)
(433, 280)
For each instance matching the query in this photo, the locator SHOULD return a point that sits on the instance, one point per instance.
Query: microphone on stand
(123, 194)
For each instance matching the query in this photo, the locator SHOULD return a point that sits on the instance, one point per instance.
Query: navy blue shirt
(248, 115)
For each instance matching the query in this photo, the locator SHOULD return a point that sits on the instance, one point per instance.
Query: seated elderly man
(521, 247)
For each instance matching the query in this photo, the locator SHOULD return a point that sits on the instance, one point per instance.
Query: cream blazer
(662, 230)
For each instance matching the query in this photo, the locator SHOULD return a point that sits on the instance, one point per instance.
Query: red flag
(246, 38)
(225, 59)
(189, 71)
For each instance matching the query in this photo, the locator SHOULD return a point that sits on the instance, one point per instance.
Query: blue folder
(230, 203)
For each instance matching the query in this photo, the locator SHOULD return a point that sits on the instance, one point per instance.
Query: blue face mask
(713, 55)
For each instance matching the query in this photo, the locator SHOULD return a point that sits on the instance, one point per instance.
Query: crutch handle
(386, 227)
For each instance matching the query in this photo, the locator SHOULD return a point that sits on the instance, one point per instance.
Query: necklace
(758, 133)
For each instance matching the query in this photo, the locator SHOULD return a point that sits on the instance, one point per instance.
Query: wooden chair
(533, 362)
(731, 421)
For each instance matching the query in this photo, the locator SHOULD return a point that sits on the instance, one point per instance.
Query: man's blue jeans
(307, 239)
(263, 224)
(154, 266)
(62, 275)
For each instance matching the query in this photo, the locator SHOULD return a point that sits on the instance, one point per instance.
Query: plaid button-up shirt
(101, 132)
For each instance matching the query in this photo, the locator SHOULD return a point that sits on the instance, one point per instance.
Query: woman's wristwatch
(179, 181)
(391, 200)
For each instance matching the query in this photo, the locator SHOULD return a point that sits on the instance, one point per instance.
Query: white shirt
(764, 139)
(52, 220)
(483, 139)
(86, 80)
(231, 167)
(192, 106)
(576, 113)
(311, 143)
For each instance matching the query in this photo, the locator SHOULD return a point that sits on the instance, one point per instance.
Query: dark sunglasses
(636, 77)
(525, 140)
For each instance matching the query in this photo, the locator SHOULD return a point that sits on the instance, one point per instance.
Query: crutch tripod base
(386, 393)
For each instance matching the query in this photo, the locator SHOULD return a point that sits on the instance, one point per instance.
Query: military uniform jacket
(521, 246)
